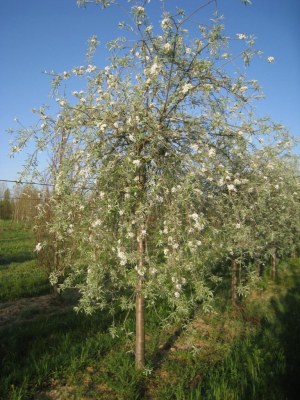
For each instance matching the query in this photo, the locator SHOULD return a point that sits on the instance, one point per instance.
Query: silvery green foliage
(256, 210)
(158, 145)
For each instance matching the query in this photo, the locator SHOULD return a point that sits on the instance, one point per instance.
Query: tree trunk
(140, 312)
(274, 265)
(234, 280)
(139, 296)
(257, 269)
(294, 254)
(55, 264)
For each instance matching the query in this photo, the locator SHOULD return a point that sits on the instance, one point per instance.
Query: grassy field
(251, 352)
(20, 276)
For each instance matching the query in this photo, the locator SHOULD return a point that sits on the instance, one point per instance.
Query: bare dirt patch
(30, 308)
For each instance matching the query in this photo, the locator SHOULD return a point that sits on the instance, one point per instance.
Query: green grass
(22, 280)
(50, 348)
(249, 353)
(260, 360)
(20, 275)
(255, 357)
(16, 242)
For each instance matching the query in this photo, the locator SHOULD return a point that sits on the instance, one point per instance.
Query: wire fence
(19, 203)
(18, 182)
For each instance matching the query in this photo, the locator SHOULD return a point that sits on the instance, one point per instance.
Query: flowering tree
(145, 145)
(277, 205)
(253, 211)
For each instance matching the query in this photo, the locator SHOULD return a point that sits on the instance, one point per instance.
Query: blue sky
(38, 35)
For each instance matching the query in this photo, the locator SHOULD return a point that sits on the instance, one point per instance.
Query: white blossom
(237, 182)
(167, 47)
(211, 152)
(91, 68)
(186, 87)
(194, 216)
(270, 59)
(231, 188)
(16, 149)
(122, 257)
(225, 56)
(96, 223)
(208, 87)
(38, 247)
(166, 23)
(221, 182)
(241, 36)
(102, 127)
(78, 71)
(136, 162)
(154, 69)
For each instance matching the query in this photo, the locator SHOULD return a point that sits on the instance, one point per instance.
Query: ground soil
(26, 309)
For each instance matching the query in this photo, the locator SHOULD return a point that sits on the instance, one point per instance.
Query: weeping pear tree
(276, 206)
(234, 217)
(252, 211)
(144, 143)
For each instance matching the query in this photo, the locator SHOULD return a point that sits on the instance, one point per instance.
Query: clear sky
(38, 35)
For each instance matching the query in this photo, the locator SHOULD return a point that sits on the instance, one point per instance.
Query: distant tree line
(20, 203)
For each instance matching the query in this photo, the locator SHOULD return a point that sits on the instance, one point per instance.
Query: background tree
(26, 201)
(6, 205)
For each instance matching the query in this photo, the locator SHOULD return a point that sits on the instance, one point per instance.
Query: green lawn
(20, 276)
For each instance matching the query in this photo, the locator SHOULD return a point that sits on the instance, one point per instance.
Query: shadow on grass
(50, 347)
(16, 258)
(287, 329)
(265, 365)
